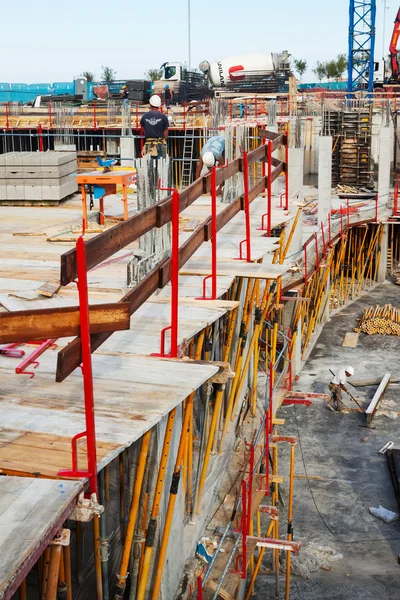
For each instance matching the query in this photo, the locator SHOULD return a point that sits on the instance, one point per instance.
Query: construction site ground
(346, 475)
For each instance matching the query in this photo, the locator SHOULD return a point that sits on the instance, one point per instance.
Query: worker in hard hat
(167, 96)
(124, 94)
(155, 126)
(336, 386)
(212, 154)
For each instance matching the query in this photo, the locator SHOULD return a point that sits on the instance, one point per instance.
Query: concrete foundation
(127, 151)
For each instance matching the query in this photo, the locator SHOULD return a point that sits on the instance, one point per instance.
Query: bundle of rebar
(383, 320)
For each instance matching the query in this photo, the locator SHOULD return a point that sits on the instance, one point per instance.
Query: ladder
(187, 168)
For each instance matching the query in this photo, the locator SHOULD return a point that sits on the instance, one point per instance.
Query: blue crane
(361, 45)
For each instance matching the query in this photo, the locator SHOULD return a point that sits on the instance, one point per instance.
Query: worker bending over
(213, 152)
(336, 386)
(155, 126)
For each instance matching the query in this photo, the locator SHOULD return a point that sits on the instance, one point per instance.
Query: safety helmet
(155, 101)
(167, 87)
(208, 159)
(350, 370)
(123, 87)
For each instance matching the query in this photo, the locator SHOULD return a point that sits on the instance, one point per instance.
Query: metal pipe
(123, 571)
(103, 538)
(290, 517)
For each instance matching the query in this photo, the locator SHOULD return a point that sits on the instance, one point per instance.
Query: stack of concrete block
(37, 177)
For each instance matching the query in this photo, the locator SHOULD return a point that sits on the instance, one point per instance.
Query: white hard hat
(208, 159)
(155, 101)
(350, 370)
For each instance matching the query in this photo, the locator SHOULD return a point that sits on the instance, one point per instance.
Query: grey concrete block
(14, 172)
(56, 158)
(12, 158)
(33, 192)
(15, 192)
(3, 192)
(31, 159)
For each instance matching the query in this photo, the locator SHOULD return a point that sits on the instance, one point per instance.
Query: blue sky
(55, 41)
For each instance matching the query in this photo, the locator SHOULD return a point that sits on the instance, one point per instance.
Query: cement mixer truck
(246, 73)
(253, 73)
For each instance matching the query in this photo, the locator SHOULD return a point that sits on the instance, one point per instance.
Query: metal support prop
(153, 523)
(290, 517)
(90, 432)
(137, 488)
(174, 487)
(247, 239)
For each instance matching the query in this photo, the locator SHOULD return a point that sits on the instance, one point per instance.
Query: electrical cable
(316, 506)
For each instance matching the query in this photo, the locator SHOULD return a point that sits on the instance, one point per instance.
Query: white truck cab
(171, 71)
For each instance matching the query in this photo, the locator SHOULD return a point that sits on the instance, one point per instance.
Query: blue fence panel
(61, 88)
(5, 95)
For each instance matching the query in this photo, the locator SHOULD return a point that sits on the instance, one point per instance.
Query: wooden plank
(48, 289)
(350, 339)
(26, 325)
(377, 397)
(222, 593)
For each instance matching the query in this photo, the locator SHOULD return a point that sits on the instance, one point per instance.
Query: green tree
(341, 64)
(331, 69)
(88, 75)
(153, 74)
(108, 74)
(320, 71)
(300, 66)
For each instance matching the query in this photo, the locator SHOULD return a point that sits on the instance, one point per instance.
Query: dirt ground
(334, 511)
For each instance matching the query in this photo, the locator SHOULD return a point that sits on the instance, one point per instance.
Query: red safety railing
(90, 431)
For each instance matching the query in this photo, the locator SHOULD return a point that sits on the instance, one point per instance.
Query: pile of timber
(346, 189)
(384, 320)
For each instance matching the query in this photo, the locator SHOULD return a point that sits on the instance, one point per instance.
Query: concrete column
(324, 177)
(382, 267)
(385, 151)
(296, 159)
(127, 151)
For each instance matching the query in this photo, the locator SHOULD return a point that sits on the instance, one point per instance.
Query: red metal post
(199, 588)
(323, 239)
(90, 432)
(329, 228)
(269, 208)
(247, 205)
(305, 264)
(174, 280)
(40, 136)
(244, 530)
(213, 233)
(316, 250)
(396, 197)
(348, 212)
(287, 170)
(94, 115)
(250, 494)
(7, 123)
(87, 363)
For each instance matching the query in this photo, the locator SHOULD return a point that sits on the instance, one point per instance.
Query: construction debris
(384, 320)
(384, 514)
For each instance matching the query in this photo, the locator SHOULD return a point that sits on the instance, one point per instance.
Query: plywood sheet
(29, 510)
(350, 339)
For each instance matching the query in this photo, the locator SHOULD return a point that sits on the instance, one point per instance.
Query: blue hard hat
(167, 87)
